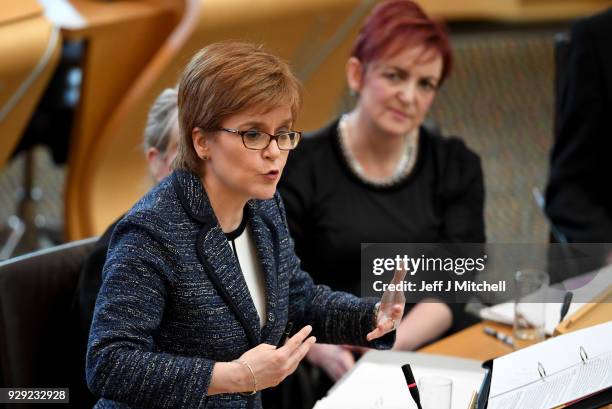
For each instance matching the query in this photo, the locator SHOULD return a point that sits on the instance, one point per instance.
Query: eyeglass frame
(272, 137)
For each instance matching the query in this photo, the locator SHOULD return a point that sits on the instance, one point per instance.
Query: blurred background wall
(499, 98)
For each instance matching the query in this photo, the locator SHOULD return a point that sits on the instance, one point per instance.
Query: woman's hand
(390, 309)
(335, 360)
(271, 365)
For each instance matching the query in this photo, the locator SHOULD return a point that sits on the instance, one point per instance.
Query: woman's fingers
(386, 324)
(295, 341)
(300, 353)
(271, 365)
(376, 333)
(397, 312)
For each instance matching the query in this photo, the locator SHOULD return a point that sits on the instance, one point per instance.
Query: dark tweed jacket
(174, 301)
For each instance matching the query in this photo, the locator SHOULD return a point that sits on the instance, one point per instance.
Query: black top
(331, 211)
(89, 282)
(578, 196)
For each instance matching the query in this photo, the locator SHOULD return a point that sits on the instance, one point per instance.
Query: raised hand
(390, 309)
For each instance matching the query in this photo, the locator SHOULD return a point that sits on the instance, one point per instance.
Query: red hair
(394, 25)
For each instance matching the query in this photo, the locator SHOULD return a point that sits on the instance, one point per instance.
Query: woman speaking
(201, 277)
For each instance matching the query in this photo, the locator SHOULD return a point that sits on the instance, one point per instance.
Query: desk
(472, 343)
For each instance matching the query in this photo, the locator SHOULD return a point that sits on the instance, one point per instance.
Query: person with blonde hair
(160, 143)
(201, 277)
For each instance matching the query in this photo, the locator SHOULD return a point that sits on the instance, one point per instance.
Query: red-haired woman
(377, 175)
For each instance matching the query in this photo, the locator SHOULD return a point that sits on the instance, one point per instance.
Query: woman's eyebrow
(286, 123)
(257, 124)
(404, 71)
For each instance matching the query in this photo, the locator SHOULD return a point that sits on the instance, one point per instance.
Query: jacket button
(271, 317)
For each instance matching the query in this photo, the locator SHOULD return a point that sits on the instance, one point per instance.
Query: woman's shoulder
(156, 212)
(451, 149)
(315, 143)
(160, 199)
(458, 166)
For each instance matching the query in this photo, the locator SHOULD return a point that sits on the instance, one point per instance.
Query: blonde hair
(224, 79)
(161, 118)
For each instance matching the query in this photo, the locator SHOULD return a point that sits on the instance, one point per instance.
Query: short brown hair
(394, 25)
(224, 79)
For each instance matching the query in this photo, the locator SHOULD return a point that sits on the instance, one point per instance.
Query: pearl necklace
(403, 168)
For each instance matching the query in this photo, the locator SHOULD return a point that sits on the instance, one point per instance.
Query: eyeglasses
(258, 140)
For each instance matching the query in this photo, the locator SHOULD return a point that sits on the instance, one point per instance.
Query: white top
(243, 245)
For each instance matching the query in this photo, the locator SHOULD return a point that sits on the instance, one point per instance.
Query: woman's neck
(227, 206)
(377, 152)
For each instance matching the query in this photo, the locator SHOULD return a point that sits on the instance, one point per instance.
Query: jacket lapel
(266, 243)
(224, 270)
(216, 255)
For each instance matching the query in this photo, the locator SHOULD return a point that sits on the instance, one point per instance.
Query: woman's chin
(398, 127)
(264, 193)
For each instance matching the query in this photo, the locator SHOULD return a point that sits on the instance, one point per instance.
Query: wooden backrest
(314, 36)
(26, 68)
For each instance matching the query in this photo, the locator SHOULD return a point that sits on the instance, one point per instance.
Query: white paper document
(554, 372)
(504, 313)
(378, 386)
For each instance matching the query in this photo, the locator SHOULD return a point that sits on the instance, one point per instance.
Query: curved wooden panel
(122, 37)
(19, 10)
(27, 66)
(314, 36)
(110, 174)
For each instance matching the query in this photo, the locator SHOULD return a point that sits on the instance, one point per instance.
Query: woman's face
(395, 93)
(238, 172)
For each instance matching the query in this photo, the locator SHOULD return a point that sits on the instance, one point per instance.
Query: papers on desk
(585, 287)
(377, 385)
(504, 313)
(554, 372)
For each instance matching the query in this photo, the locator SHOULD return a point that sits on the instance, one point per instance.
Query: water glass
(530, 307)
(436, 392)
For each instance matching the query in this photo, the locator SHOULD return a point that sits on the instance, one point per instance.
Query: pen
(285, 335)
(567, 301)
(502, 337)
(473, 400)
(412, 386)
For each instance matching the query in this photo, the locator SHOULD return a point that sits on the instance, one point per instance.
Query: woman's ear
(200, 143)
(153, 156)
(354, 74)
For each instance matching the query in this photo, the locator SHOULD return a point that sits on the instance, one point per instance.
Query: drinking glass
(436, 392)
(529, 307)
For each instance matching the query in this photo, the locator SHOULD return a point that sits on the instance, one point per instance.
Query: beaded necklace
(403, 168)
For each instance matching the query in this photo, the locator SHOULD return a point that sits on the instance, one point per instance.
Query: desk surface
(472, 343)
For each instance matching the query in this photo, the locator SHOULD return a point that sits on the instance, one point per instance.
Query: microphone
(412, 386)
